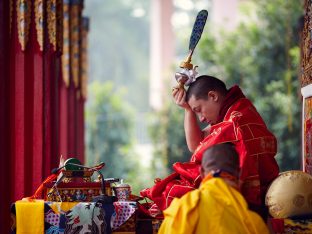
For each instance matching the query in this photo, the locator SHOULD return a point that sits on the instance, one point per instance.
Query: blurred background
(135, 47)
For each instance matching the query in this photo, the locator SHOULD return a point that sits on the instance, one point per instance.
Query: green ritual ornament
(72, 164)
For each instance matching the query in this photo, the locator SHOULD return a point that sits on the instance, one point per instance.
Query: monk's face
(207, 110)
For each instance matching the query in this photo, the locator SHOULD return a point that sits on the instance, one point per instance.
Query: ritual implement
(188, 73)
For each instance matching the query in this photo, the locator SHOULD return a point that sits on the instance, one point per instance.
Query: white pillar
(161, 50)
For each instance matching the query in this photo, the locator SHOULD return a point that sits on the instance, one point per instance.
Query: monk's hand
(179, 95)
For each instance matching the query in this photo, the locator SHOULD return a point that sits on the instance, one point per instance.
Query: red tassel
(38, 192)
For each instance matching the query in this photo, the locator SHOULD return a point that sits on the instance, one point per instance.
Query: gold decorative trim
(23, 10)
(306, 46)
(39, 22)
(59, 25)
(51, 13)
(55, 23)
(84, 56)
(75, 44)
(66, 44)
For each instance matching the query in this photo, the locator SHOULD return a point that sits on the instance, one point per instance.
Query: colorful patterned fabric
(256, 145)
(294, 226)
(74, 217)
(65, 217)
(215, 207)
(123, 211)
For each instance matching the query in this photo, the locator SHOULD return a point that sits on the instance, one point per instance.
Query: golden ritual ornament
(290, 195)
(188, 73)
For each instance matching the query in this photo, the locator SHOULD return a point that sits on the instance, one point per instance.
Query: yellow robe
(214, 208)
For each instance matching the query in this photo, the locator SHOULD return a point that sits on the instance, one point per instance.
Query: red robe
(241, 124)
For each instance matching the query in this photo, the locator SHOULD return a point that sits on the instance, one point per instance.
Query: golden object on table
(290, 195)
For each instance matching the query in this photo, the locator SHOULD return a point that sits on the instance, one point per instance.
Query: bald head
(220, 157)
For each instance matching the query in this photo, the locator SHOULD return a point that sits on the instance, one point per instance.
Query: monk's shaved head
(220, 157)
(203, 84)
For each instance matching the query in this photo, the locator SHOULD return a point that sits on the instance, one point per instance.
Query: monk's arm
(193, 134)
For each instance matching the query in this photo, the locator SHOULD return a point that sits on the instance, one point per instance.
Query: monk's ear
(214, 95)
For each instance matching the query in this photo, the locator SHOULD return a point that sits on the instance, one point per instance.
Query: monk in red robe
(230, 117)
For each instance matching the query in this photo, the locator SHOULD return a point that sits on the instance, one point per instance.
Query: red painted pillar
(64, 84)
(51, 78)
(17, 112)
(39, 108)
(33, 102)
(5, 179)
(75, 72)
(26, 104)
(80, 129)
(71, 117)
(63, 113)
(83, 84)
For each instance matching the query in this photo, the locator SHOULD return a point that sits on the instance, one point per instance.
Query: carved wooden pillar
(34, 97)
(71, 110)
(82, 86)
(52, 75)
(34, 66)
(306, 88)
(73, 89)
(64, 82)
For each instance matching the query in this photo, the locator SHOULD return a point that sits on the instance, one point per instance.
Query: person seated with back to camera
(216, 206)
(230, 117)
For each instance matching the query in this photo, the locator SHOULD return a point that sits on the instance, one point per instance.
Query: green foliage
(119, 46)
(262, 56)
(109, 130)
(167, 135)
(110, 136)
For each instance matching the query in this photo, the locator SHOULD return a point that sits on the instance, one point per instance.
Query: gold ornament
(39, 22)
(51, 13)
(290, 194)
(23, 9)
(66, 45)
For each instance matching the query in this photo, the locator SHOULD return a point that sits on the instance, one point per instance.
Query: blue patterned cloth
(84, 217)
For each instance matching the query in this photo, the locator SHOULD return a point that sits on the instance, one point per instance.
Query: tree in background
(167, 135)
(118, 52)
(119, 46)
(109, 133)
(262, 56)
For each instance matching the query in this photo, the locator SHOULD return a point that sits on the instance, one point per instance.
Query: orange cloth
(215, 208)
(29, 216)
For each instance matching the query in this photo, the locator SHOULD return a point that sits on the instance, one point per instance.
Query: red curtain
(40, 111)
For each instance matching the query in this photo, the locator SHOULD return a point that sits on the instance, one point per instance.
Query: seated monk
(217, 206)
(231, 117)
